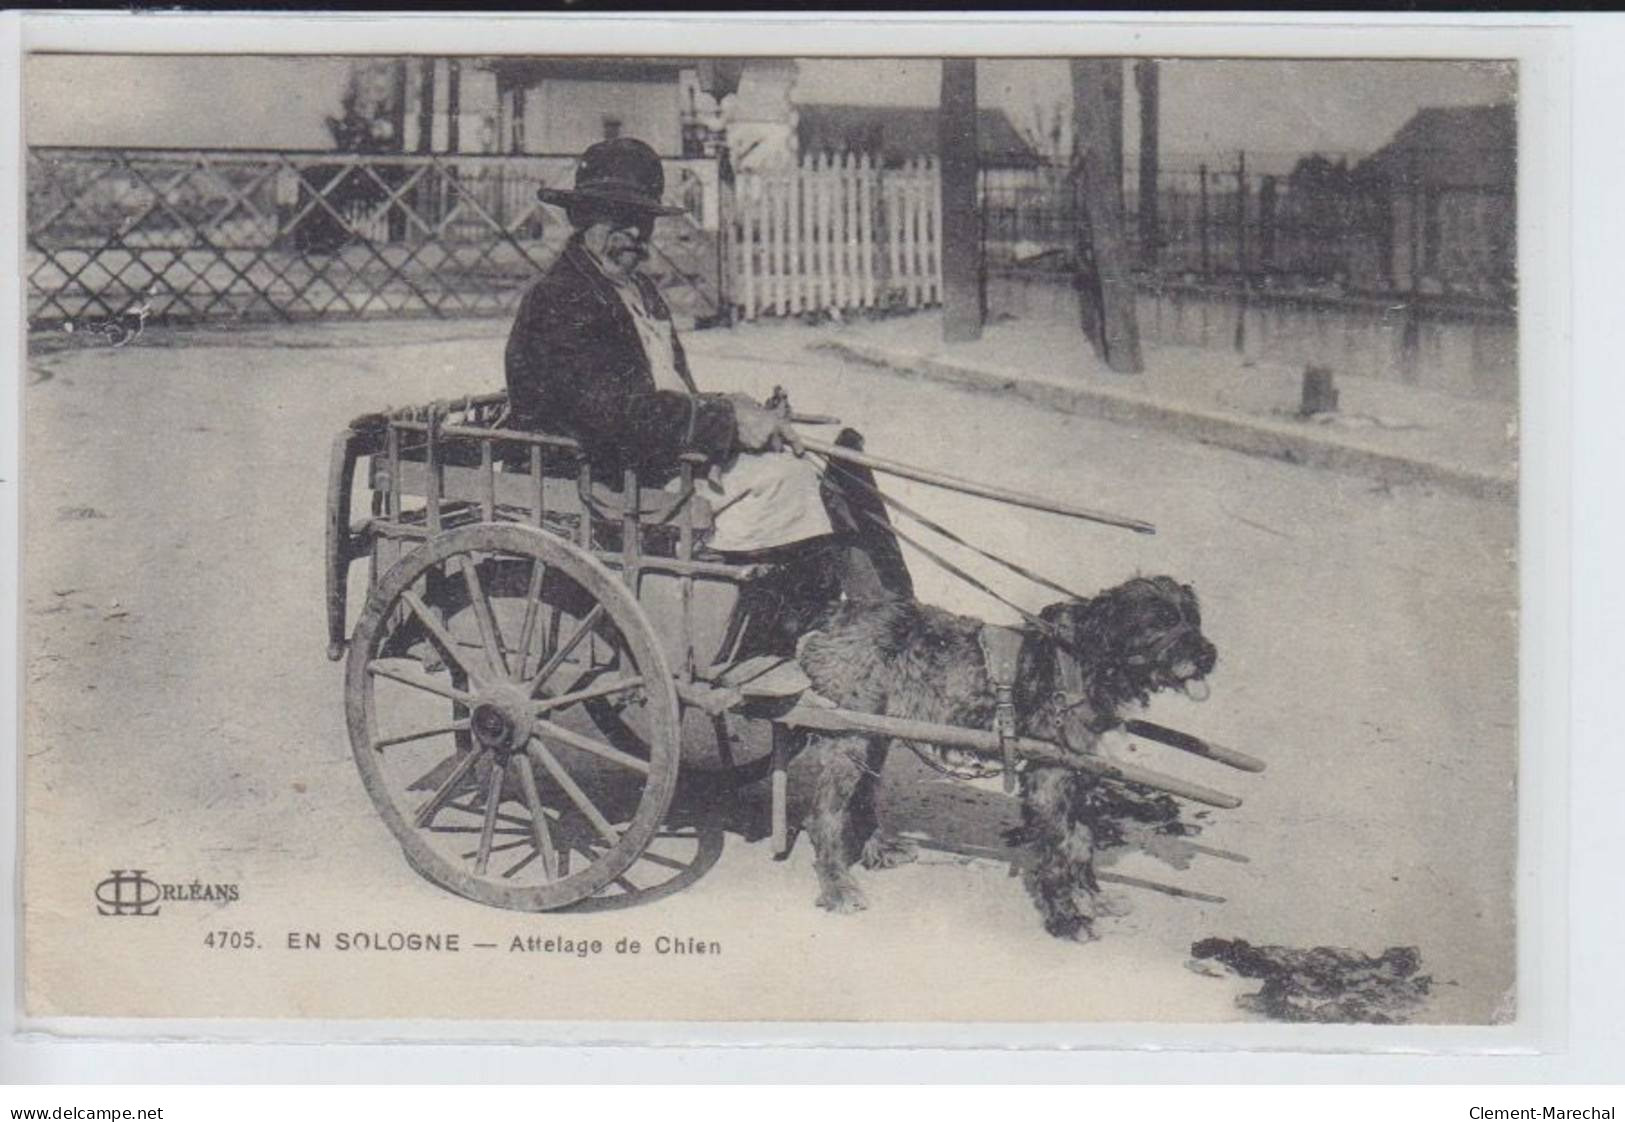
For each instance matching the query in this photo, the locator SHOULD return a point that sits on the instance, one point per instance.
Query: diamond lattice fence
(192, 235)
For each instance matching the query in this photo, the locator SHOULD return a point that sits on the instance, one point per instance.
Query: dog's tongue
(1196, 689)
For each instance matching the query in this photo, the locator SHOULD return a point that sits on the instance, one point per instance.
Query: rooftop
(1453, 146)
(901, 133)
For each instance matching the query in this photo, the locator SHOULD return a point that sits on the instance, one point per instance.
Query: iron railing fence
(1309, 226)
(195, 234)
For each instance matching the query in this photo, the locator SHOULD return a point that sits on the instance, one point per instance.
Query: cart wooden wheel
(510, 795)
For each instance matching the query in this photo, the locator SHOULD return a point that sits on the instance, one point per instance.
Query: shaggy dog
(904, 659)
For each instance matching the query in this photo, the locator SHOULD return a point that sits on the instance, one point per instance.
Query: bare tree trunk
(961, 226)
(1106, 296)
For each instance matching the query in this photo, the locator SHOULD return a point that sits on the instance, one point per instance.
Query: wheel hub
(501, 718)
(492, 726)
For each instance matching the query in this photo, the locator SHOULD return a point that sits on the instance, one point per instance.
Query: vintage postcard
(1026, 538)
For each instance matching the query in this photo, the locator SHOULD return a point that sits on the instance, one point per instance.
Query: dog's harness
(1001, 657)
(1070, 690)
(1001, 646)
(1001, 654)
(1001, 651)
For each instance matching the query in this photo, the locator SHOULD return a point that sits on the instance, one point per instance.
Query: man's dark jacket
(576, 366)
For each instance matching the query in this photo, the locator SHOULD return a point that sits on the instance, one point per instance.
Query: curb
(1254, 436)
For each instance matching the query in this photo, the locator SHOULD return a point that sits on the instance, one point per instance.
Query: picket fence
(837, 233)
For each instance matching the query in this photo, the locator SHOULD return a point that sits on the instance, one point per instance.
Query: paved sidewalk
(1383, 429)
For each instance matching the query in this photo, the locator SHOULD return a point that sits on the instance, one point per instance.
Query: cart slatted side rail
(451, 454)
(516, 490)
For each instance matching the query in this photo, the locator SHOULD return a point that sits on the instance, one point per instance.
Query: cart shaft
(987, 743)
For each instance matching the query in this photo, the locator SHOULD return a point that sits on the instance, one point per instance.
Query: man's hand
(762, 430)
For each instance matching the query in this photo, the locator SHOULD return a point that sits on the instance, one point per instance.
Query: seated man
(593, 355)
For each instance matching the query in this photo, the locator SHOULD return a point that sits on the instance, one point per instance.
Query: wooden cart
(539, 653)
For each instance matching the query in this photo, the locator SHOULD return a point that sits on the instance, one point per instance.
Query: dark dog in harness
(1065, 678)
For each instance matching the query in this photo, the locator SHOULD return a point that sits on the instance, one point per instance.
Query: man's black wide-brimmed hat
(620, 173)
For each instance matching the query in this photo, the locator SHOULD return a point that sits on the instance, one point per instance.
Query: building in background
(1451, 176)
(417, 105)
(559, 106)
(520, 106)
(760, 116)
(556, 106)
(894, 135)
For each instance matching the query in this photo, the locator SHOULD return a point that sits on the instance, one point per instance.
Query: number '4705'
(230, 940)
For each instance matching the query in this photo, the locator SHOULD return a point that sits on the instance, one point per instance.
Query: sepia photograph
(620, 537)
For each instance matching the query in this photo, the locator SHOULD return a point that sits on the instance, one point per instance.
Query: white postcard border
(1541, 47)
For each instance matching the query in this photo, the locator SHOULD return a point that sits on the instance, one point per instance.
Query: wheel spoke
(659, 859)
(538, 820)
(519, 866)
(533, 610)
(602, 689)
(588, 622)
(490, 638)
(550, 637)
(423, 734)
(436, 775)
(429, 809)
(417, 680)
(587, 744)
(575, 793)
(488, 829)
(436, 628)
(520, 826)
(521, 841)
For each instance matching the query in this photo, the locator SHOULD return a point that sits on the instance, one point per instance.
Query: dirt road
(182, 718)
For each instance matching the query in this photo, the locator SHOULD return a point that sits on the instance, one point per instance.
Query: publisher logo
(128, 892)
(131, 892)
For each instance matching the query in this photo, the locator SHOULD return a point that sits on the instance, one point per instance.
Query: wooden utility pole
(397, 108)
(961, 224)
(1146, 82)
(1242, 266)
(454, 105)
(1207, 259)
(426, 105)
(1107, 297)
(396, 215)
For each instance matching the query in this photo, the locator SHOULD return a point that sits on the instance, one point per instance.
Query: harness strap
(907, 512)
(1041, 624)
